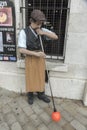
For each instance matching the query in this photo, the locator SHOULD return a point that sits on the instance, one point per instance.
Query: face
(36, 25)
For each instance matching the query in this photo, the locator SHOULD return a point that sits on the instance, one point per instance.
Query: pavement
(17, 114)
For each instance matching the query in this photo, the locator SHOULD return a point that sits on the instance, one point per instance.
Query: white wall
(68, 79)
(76, 49)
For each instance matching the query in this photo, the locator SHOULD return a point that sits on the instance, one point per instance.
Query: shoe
(43, 97)
(30, 98)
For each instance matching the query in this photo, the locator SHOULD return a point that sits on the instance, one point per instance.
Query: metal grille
(56, 13)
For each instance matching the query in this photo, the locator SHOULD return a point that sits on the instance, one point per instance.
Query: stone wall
(71, 84)
(67, 79)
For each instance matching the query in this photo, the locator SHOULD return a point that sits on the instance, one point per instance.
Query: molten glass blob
(56, 116)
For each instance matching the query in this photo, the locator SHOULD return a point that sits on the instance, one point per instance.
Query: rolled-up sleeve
(22, 39)
(45, 37)
(46, 30)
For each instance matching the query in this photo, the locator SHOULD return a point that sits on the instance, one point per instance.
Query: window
(56, 12)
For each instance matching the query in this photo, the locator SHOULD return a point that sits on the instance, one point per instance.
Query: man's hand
(49, 34)
(39, 31)
(40, 54)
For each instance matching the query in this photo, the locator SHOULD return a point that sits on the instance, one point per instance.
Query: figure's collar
(33, 31)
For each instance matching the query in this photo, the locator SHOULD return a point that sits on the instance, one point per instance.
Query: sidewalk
(17, 114)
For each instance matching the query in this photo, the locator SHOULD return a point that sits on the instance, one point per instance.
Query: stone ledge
(53, 66)
(21, 63)
(58, 67)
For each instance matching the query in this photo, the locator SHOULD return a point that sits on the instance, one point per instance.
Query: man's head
(37, 15)
(37, 18)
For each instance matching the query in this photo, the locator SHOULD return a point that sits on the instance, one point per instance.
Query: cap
(38, 15)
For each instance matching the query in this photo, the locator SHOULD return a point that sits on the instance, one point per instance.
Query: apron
(35, 74)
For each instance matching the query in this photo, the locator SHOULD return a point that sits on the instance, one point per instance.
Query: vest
(32, 42)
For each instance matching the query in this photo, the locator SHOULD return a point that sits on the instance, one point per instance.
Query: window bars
(56, 12)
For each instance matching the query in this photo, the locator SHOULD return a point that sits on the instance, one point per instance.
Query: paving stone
(70, 108)
(45, 118)
(29, 126)
(0, 109)
(62, 122)
(58, 100)
(68, 127)
(28, 111)
(54, 126)
(22, 102)
(83, 111)
(17, 114)
(17, 110)
(10, 118)
(13, 103)
(4, 100)
(1, 118)
(15, 107)
(22, 118)
(73, 105)
(77, 125)
(48, 110)
(42, 104)
(42, 127)
(81, 119)
(50, 105)
(16, 126)
(37, 109)
(6, 109)
(8, 93)
(78, 102)
(4, 126)
(35, 120)
(67, 116)
(59, 108)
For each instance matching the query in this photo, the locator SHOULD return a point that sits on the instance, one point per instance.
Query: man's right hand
(40, 54)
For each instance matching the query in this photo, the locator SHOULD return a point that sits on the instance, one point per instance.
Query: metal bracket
(21, 8)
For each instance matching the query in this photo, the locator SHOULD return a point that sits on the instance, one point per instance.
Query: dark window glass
(56, 14)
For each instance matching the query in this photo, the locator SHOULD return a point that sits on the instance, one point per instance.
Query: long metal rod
(48, 77)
